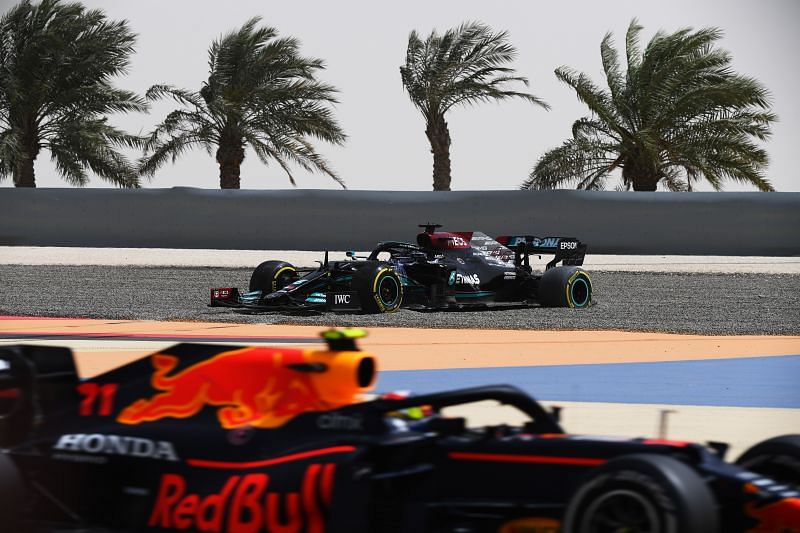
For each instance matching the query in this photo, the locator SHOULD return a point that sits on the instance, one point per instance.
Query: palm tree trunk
(24, 174)
(230, 155)
(646, 183)
(439, 137)
(643, 181)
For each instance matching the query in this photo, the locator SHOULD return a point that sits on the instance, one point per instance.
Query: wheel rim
(282, 278)
(579, 292)
(388, 291)
(620, 511)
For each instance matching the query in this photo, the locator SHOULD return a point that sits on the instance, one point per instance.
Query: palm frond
(466, 65)
(260, 92)
(678, 115)
(57, 63)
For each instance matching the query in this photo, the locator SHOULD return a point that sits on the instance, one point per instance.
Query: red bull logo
(246, 504)
(255, 386)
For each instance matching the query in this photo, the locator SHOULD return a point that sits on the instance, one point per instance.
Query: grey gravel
(677, 302)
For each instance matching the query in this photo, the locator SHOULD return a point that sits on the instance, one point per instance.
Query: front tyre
(642, 492)
(565, 286)
(271, 276)
(379, 288)
(777, 458)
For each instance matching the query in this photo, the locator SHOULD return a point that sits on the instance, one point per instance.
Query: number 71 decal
(98, 399)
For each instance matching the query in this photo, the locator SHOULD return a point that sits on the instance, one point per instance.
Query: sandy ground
(407, 348)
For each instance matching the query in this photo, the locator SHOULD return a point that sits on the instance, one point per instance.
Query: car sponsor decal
(468, 279)
(316, 298)
(98, 443)
(246, 503)
(221, 294)
(547, 242)
(252, 386)
(343, 301)
(340, 422)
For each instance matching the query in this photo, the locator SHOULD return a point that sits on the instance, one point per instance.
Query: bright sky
(494, 146)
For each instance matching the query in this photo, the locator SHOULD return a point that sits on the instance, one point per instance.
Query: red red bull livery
(277, 439)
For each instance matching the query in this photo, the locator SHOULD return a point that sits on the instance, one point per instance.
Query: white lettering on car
(97, 443)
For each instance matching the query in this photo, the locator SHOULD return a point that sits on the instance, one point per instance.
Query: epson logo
(338, 421)
(97, 443)
(339, 299)
(568, 245)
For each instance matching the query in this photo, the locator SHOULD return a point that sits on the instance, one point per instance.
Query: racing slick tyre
(379, 288)
(642, 492)
(10, 493)
(777, 458)
(565, 286)
(271, 276)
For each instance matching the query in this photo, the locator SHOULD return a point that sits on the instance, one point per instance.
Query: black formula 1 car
(442, 270)
(248, 439)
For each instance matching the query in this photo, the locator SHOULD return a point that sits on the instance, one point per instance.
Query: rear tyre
(379, 288)
(565, 286)
(642, 492)
(10, 493)
(777, 458)
(271, 276)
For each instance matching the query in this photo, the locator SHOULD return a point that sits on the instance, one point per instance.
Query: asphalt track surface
(671, 302)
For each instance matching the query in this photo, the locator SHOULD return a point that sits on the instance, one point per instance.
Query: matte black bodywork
(366, 466)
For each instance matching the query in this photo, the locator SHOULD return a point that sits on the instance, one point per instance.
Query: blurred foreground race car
(442, 270)
(247, 439)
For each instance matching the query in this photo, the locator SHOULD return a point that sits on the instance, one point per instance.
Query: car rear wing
(569, 251)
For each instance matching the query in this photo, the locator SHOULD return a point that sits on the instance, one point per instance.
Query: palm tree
(260, 92)
(677, 115)
(466, 65)
(56, 65)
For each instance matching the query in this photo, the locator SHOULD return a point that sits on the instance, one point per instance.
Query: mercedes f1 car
(442, 270)
(247, 439)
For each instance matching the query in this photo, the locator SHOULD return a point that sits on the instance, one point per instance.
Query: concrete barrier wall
(610, 222)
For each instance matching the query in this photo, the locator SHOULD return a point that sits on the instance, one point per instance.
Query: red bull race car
(442, 270)
(248, 439)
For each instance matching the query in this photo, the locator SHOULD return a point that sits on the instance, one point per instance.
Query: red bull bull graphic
(246, 503)
(781, 516)
(256, 386)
